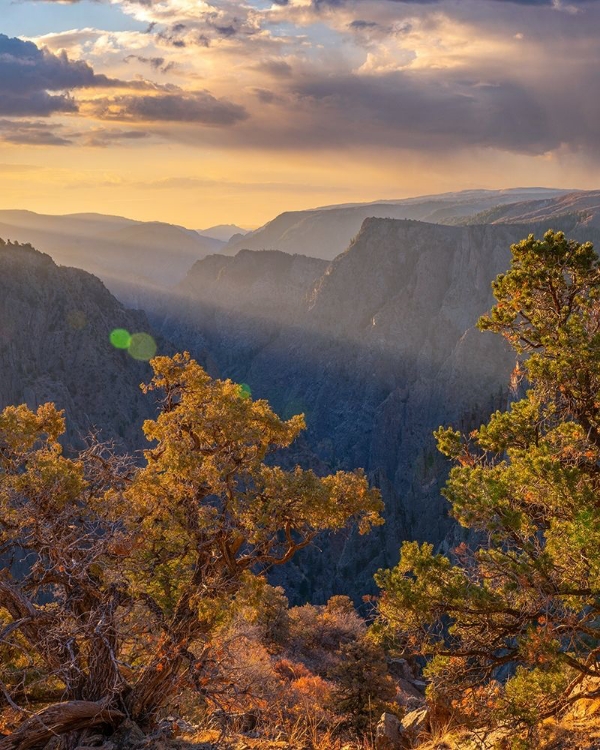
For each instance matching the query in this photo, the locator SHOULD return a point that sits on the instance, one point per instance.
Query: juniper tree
(124, 572)
(513, 624)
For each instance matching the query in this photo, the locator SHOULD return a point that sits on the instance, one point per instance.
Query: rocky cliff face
(378, 351)
(246, 300)
(54, 346)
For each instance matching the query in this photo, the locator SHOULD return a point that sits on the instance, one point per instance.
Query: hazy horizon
(160, 219)
(209, 112)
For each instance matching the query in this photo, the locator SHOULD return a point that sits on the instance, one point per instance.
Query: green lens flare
(245, 391)
(142, 346)
(120, 338)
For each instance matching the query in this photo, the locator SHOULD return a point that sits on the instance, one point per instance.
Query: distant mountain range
(326, 232)
(131, 257)
(572, 210)
(136, 259)
(223, 232)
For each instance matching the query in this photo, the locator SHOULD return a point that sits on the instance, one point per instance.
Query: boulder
(388, 734)
(401, 669)
(414, 726)
(408, 695)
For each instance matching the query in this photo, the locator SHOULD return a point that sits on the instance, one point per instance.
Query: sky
(202, 112)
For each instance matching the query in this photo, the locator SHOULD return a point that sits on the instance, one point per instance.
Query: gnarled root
(60, 719)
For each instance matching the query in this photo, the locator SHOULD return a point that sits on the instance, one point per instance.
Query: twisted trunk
(61, 719)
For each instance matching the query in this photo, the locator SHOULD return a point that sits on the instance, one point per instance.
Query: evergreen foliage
(512, 625)
(118, 574)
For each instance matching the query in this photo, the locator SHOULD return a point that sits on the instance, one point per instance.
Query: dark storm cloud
(424, 113)
(199, 107)
(433, 113)
(28, 73)
(35, 104)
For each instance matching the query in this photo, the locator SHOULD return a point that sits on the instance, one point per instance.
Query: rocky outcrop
(414, 727)
(54, 346)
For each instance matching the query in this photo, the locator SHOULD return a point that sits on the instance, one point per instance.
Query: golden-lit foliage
(118, 576)
(513, 624)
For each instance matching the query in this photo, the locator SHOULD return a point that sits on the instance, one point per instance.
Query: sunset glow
(206, 112)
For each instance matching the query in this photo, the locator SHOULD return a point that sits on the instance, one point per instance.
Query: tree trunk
(154, 688)
(59, 719)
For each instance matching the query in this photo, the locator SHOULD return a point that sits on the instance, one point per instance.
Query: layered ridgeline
(577, 212)
(326, 232)
(138, 260)
(222, 232)
(55, 326)
(133, 258)
(377, 349)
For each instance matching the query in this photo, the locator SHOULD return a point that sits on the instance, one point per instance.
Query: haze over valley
(376, 347)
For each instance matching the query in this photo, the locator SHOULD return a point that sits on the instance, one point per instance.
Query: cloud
(275, 68)
(39, 133)
(360, 24)
(37, 104)
(28, 74)
(432, 112)
(265, 96)
(434, 76)
(199, 107)
(31, 133)
(222, 24)
(104, 137)
(156, 63)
